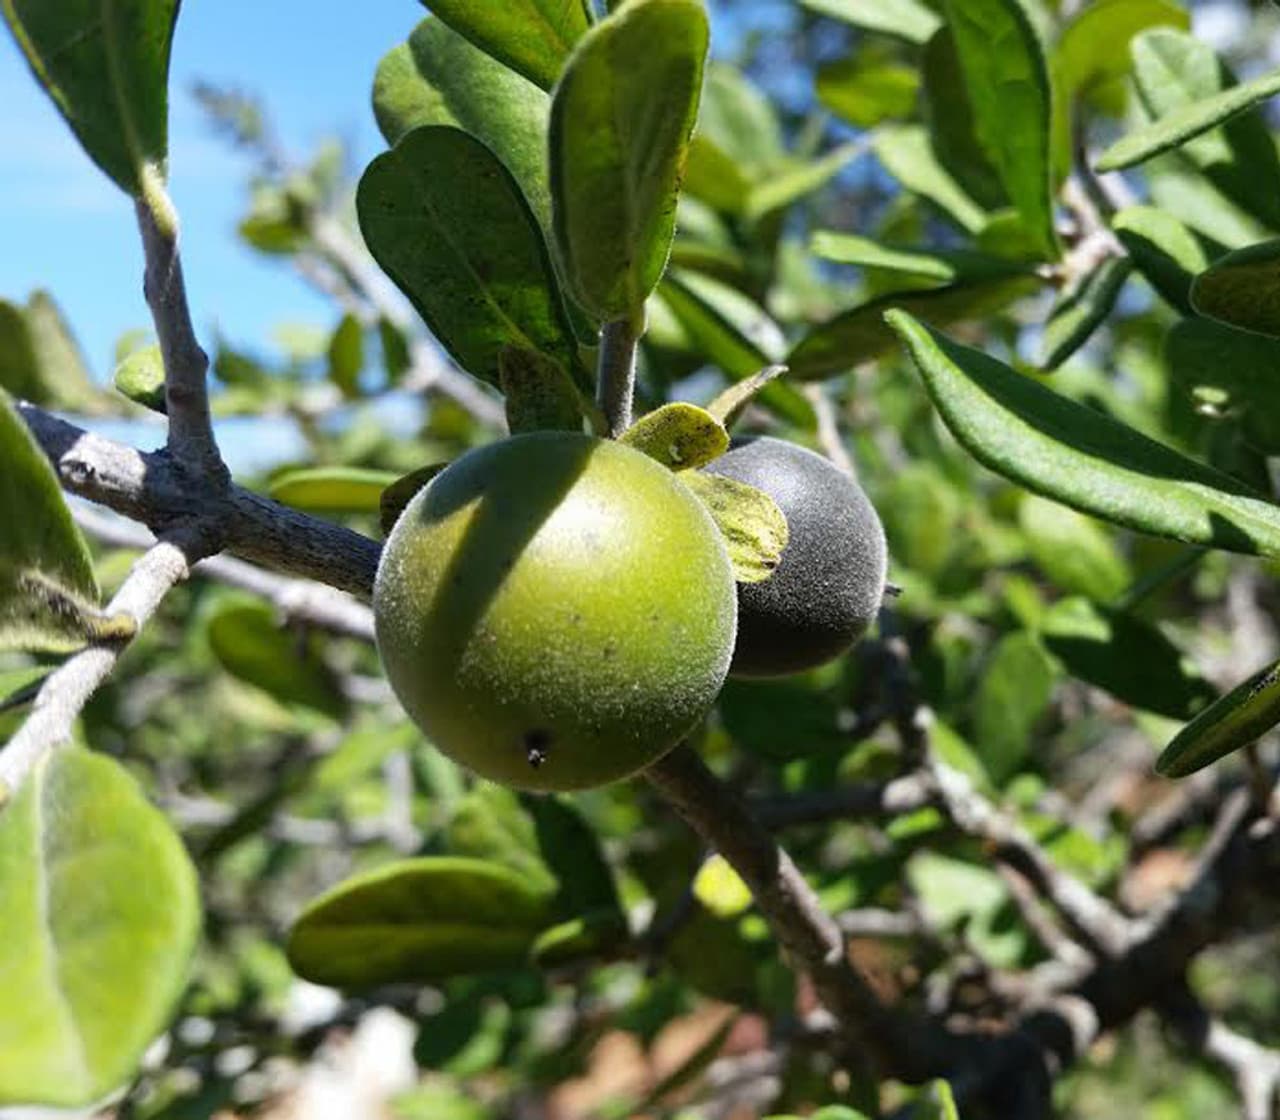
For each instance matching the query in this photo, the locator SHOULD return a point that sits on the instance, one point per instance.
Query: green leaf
(18, 687)
(911, 20)
(140, 377)
(418, 920)
(935, 1102)
(864, 93)
(954, 892)
(448, 224)
(754, 528)
(1164, 250)
(1126, 656)
(1093, 51)
(1230, 374)
(346, 355)
(1181, 190)
(729, 405)
(720, 888)
(1078, 313)
(737, 117)
(101, 917)
(715, 177)
(48, 591)
(1243, 289)
(1007, 78)
(540, 395)
(1175, 72)
(861, 333)
(907, 153)
(439, 78)
(400, 493)
(533, 37)
(570, 848)
(1242, 716)
(490, 824)
(1074, 551)
(734, 333)
(938, 266)
(63, 372)
(1186, 122)
(594, 934)
(247, 639)
(331, 489)
(790, 183)
(1079, 456)
(1013, 693)
(621, 118)
(678, 435)
(106, 67)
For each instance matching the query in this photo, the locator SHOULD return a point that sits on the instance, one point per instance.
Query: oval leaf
(105, 64)
(101, 917)
(1165, 251)
(1242, 716)
(448, 224)
(1080, 312)
(678, 435)
(591, 935)
(332, 489)
(754, 528)
(533, 37)
(418, 920)
(140, 377)
(400, 493)
(1243, 289)
(1081, 457)
(1007, 77)
(539, 394)
(620, 124)
(439, 78)
(911, 20)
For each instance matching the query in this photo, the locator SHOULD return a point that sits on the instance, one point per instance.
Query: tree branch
(152, 488)
(66, 691)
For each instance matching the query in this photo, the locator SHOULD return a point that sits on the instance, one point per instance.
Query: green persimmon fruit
(555, 611)
(828, 586)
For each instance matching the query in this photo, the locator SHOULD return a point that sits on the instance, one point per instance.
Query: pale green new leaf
(754, 528)
(1079, 456)
(678, 435)
(105, 64)
(331, 489)
(101, 914)
(907, 153)
(621, 118)
(911, 20)
(533, 37)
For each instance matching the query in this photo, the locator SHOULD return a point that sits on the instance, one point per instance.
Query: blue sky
(65, 227)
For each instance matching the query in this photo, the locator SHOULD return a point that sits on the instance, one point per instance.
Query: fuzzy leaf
(754, 528)
(105, 64)
(678, 435)
(1079, 456)
(621, 118)
(539, 393)
(101, 917)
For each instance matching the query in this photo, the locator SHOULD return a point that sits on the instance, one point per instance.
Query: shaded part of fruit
(555, 611)
(828, 586)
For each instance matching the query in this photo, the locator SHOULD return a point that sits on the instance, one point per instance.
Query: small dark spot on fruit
(537, 745)
(576, 618)
(610, 652)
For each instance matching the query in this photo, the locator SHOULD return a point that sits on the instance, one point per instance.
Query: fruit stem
(616, 374)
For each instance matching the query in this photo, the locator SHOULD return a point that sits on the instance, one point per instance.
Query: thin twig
(66, 691)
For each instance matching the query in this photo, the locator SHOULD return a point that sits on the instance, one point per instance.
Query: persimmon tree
(1012, 264)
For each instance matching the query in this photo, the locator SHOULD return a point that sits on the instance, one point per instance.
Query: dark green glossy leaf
(1243, 715)
(1188, 99)
(1080, 312)
(105, 64)
(400, 493)
(678, 435)
(101, 917)
(570, 848)
(346, 355)
(1126, 656)
(1229, 374)
(911, 20)
(540, 395)
(907, 153)
(1013, 693)
(1243, 289)
(418, 920)
(1007, 77)
(439, 78)
(621, 118)
(247, 639)
(1080, 457)
(48, 591)
(332, 489)
(1164, 250)
(448, 224)
(533, 37)
(754, 528)
(140, 377)
(861, 334)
